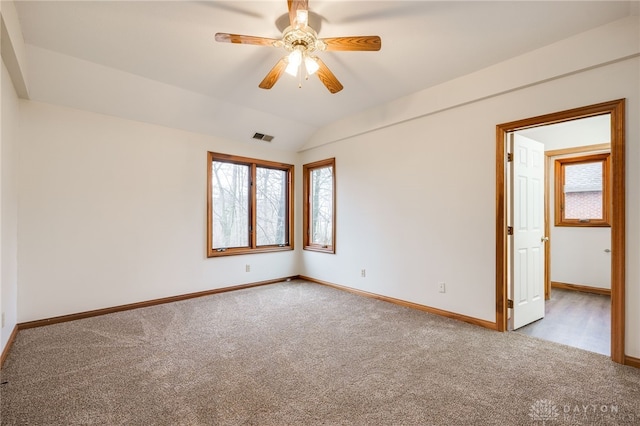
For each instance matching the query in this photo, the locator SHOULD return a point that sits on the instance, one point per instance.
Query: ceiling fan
(301, 42)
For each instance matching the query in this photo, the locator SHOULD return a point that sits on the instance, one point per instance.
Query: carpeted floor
(298, 353)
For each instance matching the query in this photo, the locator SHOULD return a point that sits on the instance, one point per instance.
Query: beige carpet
(303, 354)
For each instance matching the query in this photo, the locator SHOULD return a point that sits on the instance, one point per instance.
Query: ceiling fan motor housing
(294, 38)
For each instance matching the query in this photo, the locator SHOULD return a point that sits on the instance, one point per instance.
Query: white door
(527, 219)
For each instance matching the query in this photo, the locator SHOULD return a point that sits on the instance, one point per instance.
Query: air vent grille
(262, 137)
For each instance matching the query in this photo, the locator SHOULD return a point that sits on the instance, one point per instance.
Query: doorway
(577, 283)
(616, 111)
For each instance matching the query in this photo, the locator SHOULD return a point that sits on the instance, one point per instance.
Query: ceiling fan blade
(245, 39)
(369, 43)
(272, 77)
(294, 6)
(326, 76)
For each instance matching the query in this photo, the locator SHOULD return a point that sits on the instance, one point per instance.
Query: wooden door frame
(617, 110)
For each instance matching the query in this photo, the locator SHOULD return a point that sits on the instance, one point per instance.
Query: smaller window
(582, 191)
(319, 181)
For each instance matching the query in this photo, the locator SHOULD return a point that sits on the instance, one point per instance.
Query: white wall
(8, 208)
(578, 256)
(114, 212)
(416, 200)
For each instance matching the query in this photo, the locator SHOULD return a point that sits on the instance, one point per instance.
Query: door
(527, 219)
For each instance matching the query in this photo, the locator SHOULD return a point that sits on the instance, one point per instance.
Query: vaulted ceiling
(424, 43)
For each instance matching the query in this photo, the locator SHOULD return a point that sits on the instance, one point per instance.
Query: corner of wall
(13, 49)
(8, 210)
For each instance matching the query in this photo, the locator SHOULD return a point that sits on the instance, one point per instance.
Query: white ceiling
(424, 43)
(574, 133)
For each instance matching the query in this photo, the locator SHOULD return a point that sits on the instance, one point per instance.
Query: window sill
(244, 250)
(321, 249)
(584, 224)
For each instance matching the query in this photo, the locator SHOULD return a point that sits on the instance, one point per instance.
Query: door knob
(544, 239)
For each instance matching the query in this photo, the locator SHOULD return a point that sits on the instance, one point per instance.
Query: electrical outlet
(247, 268)
(442, 287)
(363, 273)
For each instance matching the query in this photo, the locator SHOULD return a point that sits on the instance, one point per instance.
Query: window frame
(252, 208)
(559, 194)
(307, 169)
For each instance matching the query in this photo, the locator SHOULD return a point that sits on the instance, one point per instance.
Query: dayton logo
(543, 410)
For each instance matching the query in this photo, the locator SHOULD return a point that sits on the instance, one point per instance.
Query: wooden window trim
(306, 173)
(253, 164)
(559, 194)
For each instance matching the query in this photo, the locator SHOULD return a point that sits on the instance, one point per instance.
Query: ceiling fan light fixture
(292, 70)
(294, 59)
(311, 65)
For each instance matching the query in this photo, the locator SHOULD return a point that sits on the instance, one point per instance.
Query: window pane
(583, 191)
(271, 206)
(321, 202)
(230, 200)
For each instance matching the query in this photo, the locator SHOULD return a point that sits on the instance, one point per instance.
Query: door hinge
(509, 156)
(509, 230)
(509, 303)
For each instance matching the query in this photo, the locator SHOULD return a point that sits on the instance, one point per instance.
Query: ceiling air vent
(262, 137)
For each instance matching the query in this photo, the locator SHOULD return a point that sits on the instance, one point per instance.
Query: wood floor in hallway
(574, 318)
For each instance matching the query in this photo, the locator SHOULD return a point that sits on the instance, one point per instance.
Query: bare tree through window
(230, 205)
(322, 206)
(319, 206)
(249, 205)
(271, 202)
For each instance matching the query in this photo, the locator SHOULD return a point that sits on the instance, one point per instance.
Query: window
(249, 205)
(582, 191)
(320, 206)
